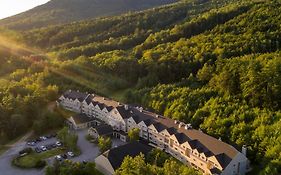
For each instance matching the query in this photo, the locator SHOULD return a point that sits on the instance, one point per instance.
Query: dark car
(64, 156)
(49, 136)
(38, 150)
(54, 145)
(49, 147)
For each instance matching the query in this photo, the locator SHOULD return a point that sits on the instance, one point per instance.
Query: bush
(40, 164)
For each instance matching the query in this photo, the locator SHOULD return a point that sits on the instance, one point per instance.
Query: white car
(43, 138)
(71, 154)
(58, 143)
(58, 157)
(43, 148)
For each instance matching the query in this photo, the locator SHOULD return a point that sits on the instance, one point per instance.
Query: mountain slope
(214, 64)
(65, 11)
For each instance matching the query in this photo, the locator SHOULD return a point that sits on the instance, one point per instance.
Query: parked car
(38, 150)
(43, 138)
(49, 136)
(58, 157)
(25, 151)
(43, 148)
(54, 145)
(71, 154)
(64, 156)
(84, 161)
(31, 143)
(49, 147)
(58, 143)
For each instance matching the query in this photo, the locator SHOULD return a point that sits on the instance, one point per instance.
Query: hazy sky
(12, 7)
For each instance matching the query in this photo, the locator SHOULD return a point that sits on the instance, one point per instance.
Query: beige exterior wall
(162, 140)
(238, 166)
(73, 105)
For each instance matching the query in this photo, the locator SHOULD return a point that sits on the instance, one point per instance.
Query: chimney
(244, 150)
(188, 126)
(176, 122)
(126, 107)
(181, 124)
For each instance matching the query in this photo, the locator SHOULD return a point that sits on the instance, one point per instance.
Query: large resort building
(192, 147)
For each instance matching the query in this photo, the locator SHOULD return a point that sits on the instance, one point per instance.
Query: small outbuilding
(80, 121)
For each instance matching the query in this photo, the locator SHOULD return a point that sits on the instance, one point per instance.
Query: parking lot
(89, 152)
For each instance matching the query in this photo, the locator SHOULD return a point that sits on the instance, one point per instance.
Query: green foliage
(133, 134)
(214, 64)
(66, 11)
(72, 168)
(104, 144)
(157, 157)
(69, 139)
(137, 165)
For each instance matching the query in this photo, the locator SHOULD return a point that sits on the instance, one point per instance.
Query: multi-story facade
(190, 146)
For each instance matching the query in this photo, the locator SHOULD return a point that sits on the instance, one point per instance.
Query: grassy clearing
(34, 159)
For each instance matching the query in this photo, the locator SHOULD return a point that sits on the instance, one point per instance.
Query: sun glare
(13, 7)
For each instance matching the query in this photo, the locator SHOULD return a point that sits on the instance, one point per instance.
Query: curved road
(6, 167)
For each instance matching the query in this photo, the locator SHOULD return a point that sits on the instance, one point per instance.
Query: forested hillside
(215, 64)
(66, 11)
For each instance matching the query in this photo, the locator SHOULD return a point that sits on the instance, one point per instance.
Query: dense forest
(214, 64)
(65, 11)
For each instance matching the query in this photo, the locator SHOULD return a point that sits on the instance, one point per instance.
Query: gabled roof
(137, 118)
(182, 138)
(123, 112)
(197, 139)
(89, 99)
(101, 106)
(117, 155)
(75, 95)
(223, 159)
(148, 122)
(171, 130)
(159, 127)
(215, 171)
(104, 129)
(81, 118)
(109, 108)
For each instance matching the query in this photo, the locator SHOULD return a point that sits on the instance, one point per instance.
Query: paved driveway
(89, 152)
(5, 163)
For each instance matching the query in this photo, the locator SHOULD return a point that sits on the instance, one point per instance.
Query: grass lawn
(31, 160)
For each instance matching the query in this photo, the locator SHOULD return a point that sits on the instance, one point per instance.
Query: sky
(13, 7)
